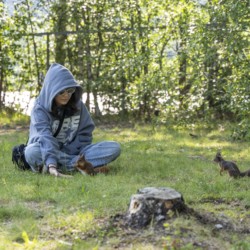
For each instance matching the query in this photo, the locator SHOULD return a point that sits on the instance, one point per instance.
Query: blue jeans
(97, 154)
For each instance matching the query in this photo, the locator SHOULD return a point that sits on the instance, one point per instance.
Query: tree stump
(153, 204)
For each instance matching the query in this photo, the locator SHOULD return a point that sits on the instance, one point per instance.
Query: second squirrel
(230, 167)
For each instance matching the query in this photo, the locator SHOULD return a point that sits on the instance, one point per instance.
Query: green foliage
(241, 130)
(188, 60)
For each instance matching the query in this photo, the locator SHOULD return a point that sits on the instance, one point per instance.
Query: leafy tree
(181, 58)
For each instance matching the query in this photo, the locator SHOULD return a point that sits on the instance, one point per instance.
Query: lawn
(44, 212)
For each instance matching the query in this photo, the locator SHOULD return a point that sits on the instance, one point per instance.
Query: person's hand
(53, 171)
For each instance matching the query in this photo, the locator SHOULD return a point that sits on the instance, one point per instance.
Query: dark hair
(70, 108)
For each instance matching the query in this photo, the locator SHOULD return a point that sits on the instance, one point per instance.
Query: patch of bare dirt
(192, 229)
(10, 129)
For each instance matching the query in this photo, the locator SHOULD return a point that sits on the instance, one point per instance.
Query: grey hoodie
(76, 131)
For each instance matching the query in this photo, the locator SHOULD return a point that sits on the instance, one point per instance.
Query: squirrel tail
(246, 173)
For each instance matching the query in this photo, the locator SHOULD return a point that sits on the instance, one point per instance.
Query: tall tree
(60, 17)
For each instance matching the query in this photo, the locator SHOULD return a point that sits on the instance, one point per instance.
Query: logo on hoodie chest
(68, 129)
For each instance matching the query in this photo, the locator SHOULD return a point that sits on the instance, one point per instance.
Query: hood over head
(57, 79)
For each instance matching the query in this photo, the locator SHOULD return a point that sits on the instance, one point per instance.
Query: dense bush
(183, 58)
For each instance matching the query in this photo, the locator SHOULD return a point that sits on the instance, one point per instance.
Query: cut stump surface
(152, 204)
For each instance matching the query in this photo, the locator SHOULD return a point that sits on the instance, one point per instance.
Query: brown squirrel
(230, 167)
(102, 169)
(86, 167)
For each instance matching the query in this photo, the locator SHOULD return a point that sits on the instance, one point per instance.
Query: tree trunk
(35, 49)
(184, 86)
(60, 26)
(1, 77)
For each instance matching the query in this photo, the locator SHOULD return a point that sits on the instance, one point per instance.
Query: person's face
(63, 97)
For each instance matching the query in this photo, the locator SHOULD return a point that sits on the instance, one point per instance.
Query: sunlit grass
(40, 205)
(10, 118)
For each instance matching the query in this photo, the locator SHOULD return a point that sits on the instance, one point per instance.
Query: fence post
(48, 52)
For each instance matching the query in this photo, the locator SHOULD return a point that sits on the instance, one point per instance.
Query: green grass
(9, 118)
(44, 212)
